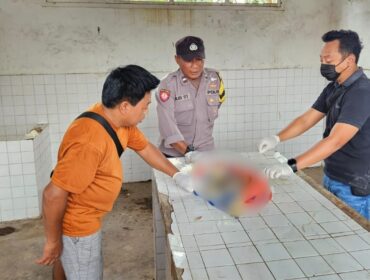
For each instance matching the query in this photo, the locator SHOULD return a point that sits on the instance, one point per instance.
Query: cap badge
(193, 47)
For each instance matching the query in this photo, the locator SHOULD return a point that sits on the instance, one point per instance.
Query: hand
(278, 171)
(52, 252)
(183, 181)
(268, 143)
(191, 157)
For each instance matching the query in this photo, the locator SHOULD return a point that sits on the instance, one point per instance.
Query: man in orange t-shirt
(88, 176)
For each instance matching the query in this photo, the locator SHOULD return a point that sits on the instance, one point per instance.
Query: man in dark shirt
(345, 147)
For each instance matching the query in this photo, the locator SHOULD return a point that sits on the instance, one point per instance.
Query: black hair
(349, 42)
(128, 83)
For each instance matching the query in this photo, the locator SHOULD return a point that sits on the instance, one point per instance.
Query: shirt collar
(354, 77)
(185, 80)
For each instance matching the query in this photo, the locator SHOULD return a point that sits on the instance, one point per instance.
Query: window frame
(118, 4)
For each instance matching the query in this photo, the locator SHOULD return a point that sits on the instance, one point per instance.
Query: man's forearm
(54, 205)
(153, 156)
(301, 124)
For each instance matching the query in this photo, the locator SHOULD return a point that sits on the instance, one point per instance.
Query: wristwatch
(293, 164)
(189, 148)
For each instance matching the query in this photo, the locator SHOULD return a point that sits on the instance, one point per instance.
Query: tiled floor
(298, 235)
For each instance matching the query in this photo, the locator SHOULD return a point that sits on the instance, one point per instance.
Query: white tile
(276, 221)
(323, 216)
(17, 181)
(352, 243)
(273, 252)
(214, 258)
(7, 215)
(285, 269)
(15, 169)
(33, 212)
(235, 237)
(342, 262)
(195, 260)
(299, 249)
(363, 257)
(253, 223)
(335, 227)
(287, 233)
(290, 207)
(223, 272)
(5, 193)
(189, 243)
(32, 202)
(20, 213)
(6, 204)
(311, 230)
(4, 159)
(299, 218)
(326, 246)
(4, 170)
(197, 274)
(313, 266)
(358, 275)
(13, 146)
(26, 145)
(261, 235)
(27, 157)
(28, 168)
(229, 225)
(208, 239)
(14, 158)
(326, 277)
(5, 180)
(18, 192)
(245, 254)
(255, 271)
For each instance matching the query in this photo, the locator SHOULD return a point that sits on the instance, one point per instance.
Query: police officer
(188, 101)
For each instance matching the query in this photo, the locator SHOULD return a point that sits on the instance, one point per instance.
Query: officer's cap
(190, 47)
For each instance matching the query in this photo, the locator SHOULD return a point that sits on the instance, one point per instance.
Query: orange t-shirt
(90, 170)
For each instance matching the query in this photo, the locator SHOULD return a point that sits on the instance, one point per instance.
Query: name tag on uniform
(182, 97)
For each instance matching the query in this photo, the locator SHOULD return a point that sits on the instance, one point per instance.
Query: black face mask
(328, 71)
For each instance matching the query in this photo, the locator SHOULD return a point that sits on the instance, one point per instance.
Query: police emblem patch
(164, 95)
(193, 47)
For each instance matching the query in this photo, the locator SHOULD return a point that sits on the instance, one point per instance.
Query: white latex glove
(191, 157)
(268, 143)
(183, 181)
(278, 171)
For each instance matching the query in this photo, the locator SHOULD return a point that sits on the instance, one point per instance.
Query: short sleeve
(320, 103)
(136, 139)
(76, 167)
(168, 128)
(355, 109)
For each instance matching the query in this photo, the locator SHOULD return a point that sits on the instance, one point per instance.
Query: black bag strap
(108, 128)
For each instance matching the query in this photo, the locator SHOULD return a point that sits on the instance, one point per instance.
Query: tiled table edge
(175, 238)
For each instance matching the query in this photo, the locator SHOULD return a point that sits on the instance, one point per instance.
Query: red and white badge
(164, 95)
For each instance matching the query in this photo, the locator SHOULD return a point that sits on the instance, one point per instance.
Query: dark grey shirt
(349, 103)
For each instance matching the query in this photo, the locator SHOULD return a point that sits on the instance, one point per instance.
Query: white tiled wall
(24, 172)
(259, 103)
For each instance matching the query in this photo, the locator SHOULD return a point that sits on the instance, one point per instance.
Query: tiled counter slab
(298, 235)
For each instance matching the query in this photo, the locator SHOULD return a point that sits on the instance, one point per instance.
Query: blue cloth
(349, 103)
(359, 203)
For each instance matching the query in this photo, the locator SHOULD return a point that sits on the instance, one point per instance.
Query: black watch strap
(189, 148)
(293, 164)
